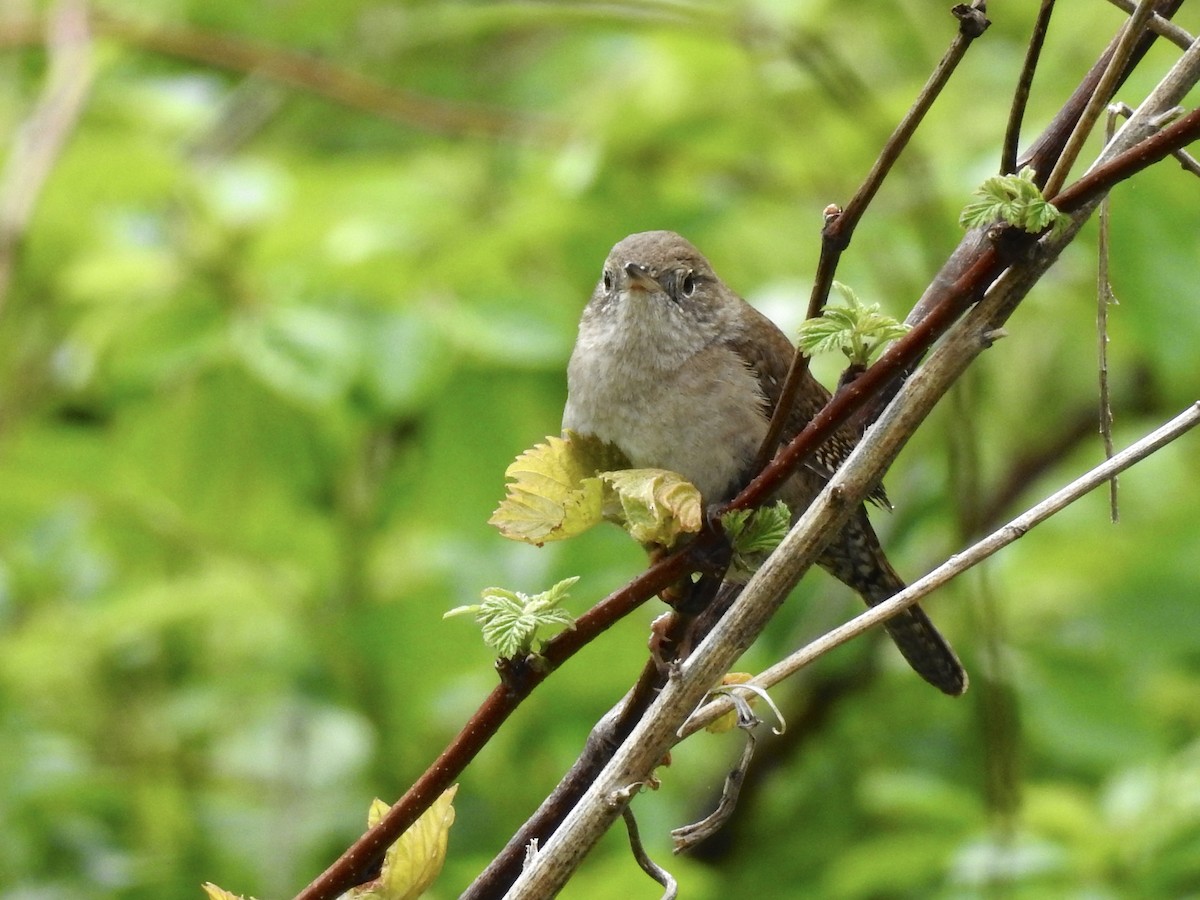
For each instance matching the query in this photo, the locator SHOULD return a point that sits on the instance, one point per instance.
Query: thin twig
(1104, 299)
(958, 563)
(1076, 427)
(1187, 162)
(688, 836)
(1012, 134)
(1159, 25)
(1130, 36)
(649, 866)
(1101, 178)
(840, 224)
(972, 24)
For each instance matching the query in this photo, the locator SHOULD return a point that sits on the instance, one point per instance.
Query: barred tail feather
(856, 559)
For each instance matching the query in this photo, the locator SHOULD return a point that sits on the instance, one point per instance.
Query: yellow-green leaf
(414, 861)
(554, 493)
(654, 505)
(376, 812)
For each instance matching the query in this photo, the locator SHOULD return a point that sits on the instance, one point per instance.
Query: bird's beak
(639, 278)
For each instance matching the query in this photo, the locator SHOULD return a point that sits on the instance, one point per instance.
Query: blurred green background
(267, 346)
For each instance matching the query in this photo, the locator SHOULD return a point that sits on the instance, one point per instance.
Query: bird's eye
(608, 280)
(688, 285)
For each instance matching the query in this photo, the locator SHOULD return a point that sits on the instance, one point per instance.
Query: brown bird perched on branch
(681, 373)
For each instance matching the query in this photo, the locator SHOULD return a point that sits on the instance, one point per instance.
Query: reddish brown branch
(1045, 152)
(840, 224)
(1145, 153)
(361, 862)
(1012, 135)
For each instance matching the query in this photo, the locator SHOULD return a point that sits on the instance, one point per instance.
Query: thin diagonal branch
(840, 224)
(1104, 299)
(648, 865)
(1160, 26)
(1012, 134)
(958, 563)
(1130, 36)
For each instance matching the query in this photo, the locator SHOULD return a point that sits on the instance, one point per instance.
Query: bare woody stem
(840, 225)
(958, 563)
(361, 861)
(1113, 73)
(1012, 135)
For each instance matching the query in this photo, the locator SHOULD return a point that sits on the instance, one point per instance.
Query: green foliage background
(264, 357)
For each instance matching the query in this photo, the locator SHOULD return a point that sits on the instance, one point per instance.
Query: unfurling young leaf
(856, 329)
(554, 493)
(566, 485)
(654, 505)
(511, 620)
(415, 860)
(1015, 200)
(754, 533)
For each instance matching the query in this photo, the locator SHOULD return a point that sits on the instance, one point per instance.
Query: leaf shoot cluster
(856, 329)
(1014, 200)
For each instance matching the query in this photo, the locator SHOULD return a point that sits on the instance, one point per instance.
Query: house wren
(681, 373)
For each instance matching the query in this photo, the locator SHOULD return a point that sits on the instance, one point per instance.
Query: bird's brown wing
(854, 556)
(769, 355)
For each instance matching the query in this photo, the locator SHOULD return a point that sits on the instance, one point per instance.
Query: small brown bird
(681, 373)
